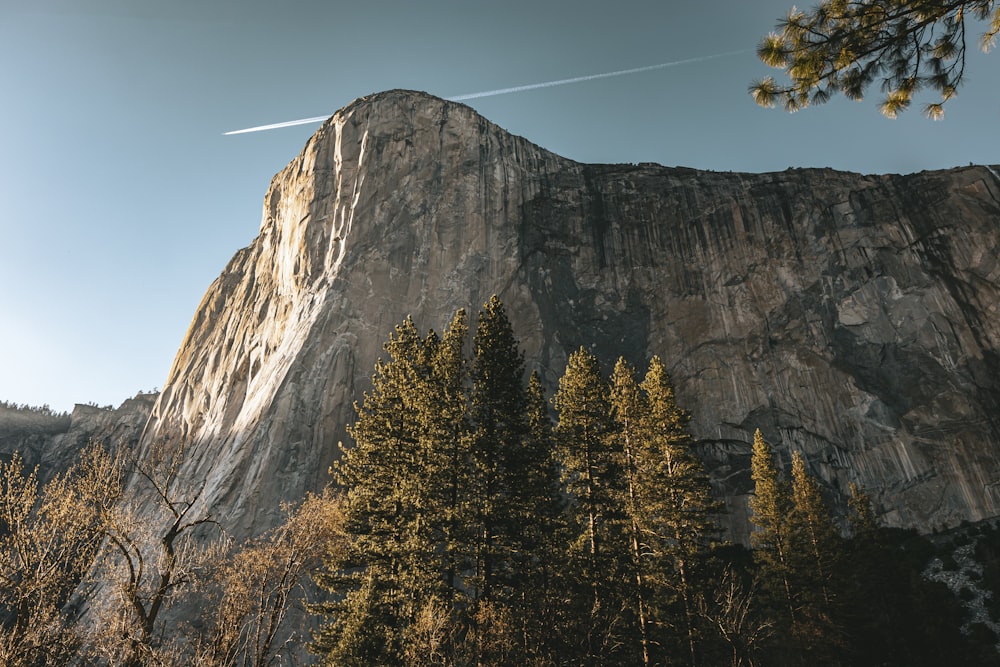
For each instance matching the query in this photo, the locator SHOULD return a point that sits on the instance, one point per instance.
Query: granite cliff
(853, 317)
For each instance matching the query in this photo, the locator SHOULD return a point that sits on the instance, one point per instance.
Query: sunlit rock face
(855, 318)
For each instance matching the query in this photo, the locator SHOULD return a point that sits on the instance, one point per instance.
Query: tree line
(45, 410)
(484, 534)
(475, 521)
(480, 532)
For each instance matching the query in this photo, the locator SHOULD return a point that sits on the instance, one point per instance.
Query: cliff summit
(851, 317)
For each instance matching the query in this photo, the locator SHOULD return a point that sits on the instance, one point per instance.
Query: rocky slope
(52, 441)
(856, 318)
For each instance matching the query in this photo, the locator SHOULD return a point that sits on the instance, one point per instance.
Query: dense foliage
(483, 534)
(902, 46)
(43, 410)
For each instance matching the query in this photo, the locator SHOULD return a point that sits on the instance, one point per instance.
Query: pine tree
(451, 497)
(814, 539)
(593, 480)
(541, 489)
(544, 572)
(582, 437)
(446, 447)
(515, 491)
(901, 45)
(677, 511)
(862, 516)
(629, 411)
(396, 504)
(499, 412)
(770, 507)
(814, 549)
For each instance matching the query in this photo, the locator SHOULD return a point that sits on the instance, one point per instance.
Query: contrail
(515, 89)
(275, 126)
(589, 77)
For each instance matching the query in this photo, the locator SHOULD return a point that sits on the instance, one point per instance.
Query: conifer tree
(583, 440)
(445, 446)
(862, 515)
(593, 479)
(770, 506)
(677, 509)
(629, 410)
(499, 412)
(542, 488)
(901, 45)
(451, 495)
(395, 560)
(514, 491)
(814, 553)
(543, 567)
(814, 539)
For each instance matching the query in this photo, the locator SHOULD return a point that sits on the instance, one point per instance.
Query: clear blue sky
(120, 200)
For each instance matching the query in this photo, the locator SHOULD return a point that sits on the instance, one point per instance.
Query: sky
(121, 199)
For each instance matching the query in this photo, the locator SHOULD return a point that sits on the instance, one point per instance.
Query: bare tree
(48, 538)
(732, 612)
(261, 582)
(160, 539)
(429, 640)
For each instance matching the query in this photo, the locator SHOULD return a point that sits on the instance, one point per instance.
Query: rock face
(52, 441)
(855, 318)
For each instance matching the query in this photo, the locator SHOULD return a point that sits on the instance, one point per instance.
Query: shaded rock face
(52, 441)
(852, 317)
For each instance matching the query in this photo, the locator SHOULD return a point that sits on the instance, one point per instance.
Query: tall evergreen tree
(629, 410)
(678, 511)
(400, 500)
(542, 490)
(499, 412)
(446, 447)
(515, 490)
(814, 553)
(770, 507)
(544, 574)
(813, 536)
(452, 497)
(592, 474)
(862, 515)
